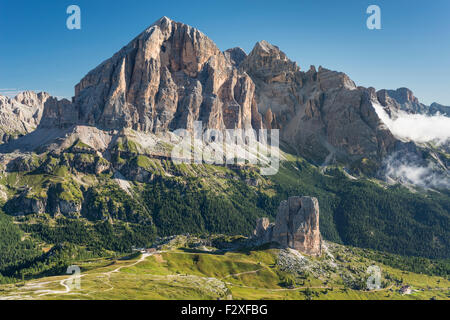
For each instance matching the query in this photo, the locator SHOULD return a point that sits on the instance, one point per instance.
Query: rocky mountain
(439, 108)
(322, 114)
(167, 78)
(403, 99)
(121, 119)
(20, 115)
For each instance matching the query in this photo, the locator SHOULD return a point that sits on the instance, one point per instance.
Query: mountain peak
(163, 23)
(404, 95)
(265, 46)
(163, 19)
(31, 97)
(267, 59)
(168, 77)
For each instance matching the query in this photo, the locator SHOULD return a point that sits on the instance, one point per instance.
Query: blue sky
(38, 52)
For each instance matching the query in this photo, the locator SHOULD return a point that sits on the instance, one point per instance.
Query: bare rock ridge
(436, 108)
(403, 99)
(296, 226)
(319, 112)
(21, 115)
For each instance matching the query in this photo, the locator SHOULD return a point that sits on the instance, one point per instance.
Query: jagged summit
(168, 77)
(265, 46)
(163, 19)
(403, 99)
(436, 108)
(22, 114)
(267, 58)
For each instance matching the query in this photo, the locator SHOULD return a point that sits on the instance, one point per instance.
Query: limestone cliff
(20, 115)
(168, 77)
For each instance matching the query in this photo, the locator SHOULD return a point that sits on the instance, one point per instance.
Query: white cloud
(416, 127)
(410, 170)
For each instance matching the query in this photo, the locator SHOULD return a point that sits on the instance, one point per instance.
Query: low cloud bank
(409, 169)
(416, 127)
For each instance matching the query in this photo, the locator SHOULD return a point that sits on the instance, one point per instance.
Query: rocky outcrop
(58, 113)
(24, 163)
(65, 200)
(25, 204)
(263, 231)
(63, 207)
(296, 226)
(401, 99)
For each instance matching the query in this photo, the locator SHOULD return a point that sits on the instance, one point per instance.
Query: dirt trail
(143, 257)
(27, 290)
(67, 288)
(242, 273)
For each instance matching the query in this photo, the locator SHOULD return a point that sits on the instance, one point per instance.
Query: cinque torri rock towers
(296, 226)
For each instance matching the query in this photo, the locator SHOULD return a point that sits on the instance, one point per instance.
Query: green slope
(178, 271)
(205, 199)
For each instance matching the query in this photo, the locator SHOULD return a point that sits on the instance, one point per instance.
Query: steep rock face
(66, 208)
(321, 114)
(58, 113)
(20, 115)
(296, 226)
(172, 75)
(168, 77)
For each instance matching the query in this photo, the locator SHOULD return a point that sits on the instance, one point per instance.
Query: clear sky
(38, 52)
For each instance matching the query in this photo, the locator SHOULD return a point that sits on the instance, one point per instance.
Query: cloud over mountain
(416, 127)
